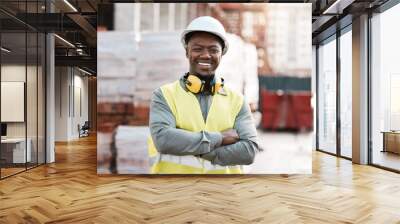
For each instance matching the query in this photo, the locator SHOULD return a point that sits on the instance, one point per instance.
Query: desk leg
(384, 142)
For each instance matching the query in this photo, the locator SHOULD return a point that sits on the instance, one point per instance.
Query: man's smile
(204, 64)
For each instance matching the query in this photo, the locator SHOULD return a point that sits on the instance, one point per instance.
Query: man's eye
(214, 51)
(196, 49)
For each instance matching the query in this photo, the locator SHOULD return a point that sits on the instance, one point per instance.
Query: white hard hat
(206, 24)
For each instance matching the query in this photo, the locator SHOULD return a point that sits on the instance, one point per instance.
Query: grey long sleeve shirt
(171, 140)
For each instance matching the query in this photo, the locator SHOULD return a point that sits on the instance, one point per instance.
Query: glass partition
(14, 154)
(41, 91)
(22, 88)
(31, 97)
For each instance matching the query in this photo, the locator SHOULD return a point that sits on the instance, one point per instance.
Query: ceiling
(330, 15)
(76, 22)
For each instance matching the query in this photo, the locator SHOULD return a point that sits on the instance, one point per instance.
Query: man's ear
(187, 53)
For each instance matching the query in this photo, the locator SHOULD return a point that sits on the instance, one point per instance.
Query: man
(198, 125)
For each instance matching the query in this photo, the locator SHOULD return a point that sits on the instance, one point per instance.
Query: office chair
(84, 130)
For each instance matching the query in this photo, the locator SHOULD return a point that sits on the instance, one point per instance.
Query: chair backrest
(86, 125)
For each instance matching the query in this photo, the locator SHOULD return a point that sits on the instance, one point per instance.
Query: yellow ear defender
(195, 85)
(216, 85)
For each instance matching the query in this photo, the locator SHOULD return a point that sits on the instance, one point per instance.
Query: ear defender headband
(195, 85)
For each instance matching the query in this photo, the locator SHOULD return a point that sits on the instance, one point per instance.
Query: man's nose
(205, 54)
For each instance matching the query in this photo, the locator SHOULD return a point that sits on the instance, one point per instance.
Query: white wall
(17, 73)
(33, 126)
(62, 81)
(14, 73)
(71, 94)
(80, 109)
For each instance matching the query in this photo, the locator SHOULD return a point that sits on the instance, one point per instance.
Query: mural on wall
(140, 50)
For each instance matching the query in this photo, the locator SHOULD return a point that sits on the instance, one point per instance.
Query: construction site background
(139, 49)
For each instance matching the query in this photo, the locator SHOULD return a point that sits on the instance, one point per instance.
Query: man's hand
(229, 136)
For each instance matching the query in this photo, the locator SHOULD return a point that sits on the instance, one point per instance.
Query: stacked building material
(117, 63)
(104, 155)
(239, 68)
(130, 68)
(161, 60)
(131, 147)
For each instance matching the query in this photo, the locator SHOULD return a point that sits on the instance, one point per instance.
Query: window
(346, 94)
(385, 89)
(327, 96)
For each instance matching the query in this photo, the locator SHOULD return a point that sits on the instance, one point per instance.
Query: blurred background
(269, 61)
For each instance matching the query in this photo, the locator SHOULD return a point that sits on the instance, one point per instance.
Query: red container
(288, 111)
(301, 104)
(270, 106)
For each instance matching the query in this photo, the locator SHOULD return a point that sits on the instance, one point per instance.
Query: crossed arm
(236, 146)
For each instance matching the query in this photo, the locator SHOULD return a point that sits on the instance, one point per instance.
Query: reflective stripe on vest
(186, 109)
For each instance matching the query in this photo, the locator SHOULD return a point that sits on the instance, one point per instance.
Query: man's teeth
(201, 63)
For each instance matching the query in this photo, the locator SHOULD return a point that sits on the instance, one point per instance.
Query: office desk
(15, 148)
(391, 141)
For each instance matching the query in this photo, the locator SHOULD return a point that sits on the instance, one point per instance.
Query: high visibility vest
(186, 109)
